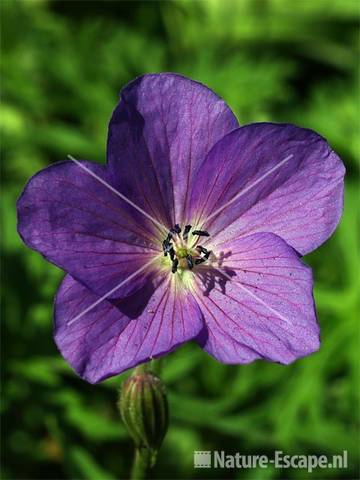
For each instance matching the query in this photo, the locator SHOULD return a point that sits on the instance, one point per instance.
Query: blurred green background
(63, 64)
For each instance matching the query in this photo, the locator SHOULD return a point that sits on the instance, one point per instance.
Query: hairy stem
(142, 464)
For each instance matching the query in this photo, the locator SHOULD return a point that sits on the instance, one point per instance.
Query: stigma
(183, 253)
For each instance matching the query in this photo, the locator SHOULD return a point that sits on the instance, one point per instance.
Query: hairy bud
(144, 409)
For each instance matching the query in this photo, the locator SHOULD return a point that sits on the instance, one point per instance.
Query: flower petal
(259, 303)
(83, 227)
(161, 130)
(113, 337)
(301, 199)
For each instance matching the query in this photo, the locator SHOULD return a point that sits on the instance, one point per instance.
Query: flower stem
(142, 464)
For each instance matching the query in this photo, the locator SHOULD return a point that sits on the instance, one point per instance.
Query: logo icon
(202, 459)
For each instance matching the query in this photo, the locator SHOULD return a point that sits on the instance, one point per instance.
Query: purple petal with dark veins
(160, 132)
(301, 201)
(118, 335)
(84, 228)
(262, 307)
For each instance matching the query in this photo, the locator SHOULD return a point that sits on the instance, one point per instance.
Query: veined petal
(161, 131)
(118, 335)
(259, 303)
(291, 179)
(80, 225)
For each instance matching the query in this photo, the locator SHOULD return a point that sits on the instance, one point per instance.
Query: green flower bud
(144, 409)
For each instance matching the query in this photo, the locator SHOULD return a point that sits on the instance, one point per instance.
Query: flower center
(183, 253)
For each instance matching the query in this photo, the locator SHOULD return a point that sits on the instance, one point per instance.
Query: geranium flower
(193, 230)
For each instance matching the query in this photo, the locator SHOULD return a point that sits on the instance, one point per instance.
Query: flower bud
(144, 409)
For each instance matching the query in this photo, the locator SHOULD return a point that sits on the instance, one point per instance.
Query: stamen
(175, 264)
(190, 262)
(179, 251)
(165, 245)
(201, 233)
(201, 249)
(186, 231)
(199, 260)
(176, 229)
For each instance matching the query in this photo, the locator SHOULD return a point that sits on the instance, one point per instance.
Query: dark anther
(165, 245)
(176, 229)
(174, 265)
(186, 231)
(169, 237)
(202, 249)
(190, 262)
(172, 253)
(207, 254)
(199, 260)
(201, 233)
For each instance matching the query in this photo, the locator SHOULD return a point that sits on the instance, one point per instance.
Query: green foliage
(63, 64)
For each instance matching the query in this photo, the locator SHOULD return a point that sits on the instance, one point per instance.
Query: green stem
(142, 464)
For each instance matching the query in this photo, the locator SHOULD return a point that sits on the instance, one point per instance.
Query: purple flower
(266, 193)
